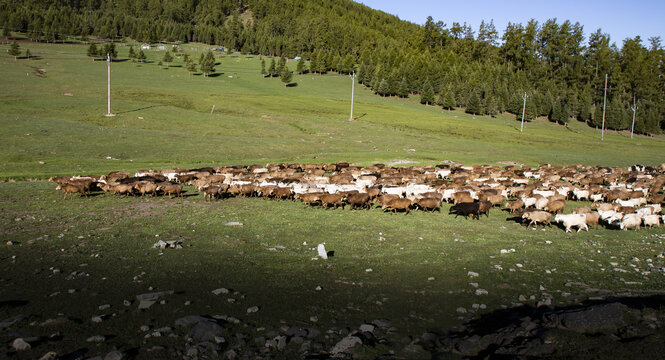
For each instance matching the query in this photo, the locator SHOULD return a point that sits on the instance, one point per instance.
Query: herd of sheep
(620, 198)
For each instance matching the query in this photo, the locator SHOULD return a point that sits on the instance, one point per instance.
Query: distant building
(145, 46)
(161, 47)
(297, 58)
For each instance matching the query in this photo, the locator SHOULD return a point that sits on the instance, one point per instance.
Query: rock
(56, 321)
(414, 351)
(314, 318)
(481, 292)
(11, 321)
(104, 307)
(367, 328)
(51, 355)
(461, 310)
(231, 354)
(206, 331)
(593, 319)
(146, 304)
(252, 309)
(191, 319)
(322, 251)
(114, 355)
(472, 274)
(96, 338)
(144, 328)
(281, 342)
(346, 345)
(220, 291)
(233, 223)
(154, 295)
(19, 344)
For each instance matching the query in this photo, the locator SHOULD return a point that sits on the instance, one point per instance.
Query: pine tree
(427, 94)
(286, 75)
(92, 50)
(490, 106)
(208, 64)
(597, 119)
(263, 66)
(449, 100)
(191, 67)
(14, 50)
(132, 54)
(109, 48)
(473, 105)
(141, 56)
(272, 70)
(555, 114)
(167, 58)
(282, 64)
(28, 54)
(403, 88)
(300, 68)
(383, 88)
(565, 113)
(314, 62)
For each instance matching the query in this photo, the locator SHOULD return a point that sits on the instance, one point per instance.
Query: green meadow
(412, 270)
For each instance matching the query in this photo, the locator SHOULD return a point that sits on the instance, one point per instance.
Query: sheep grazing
(630, 221)
(541, 203)
(169, 188)
(592, 219)
(60, 180)
(570, 220)
(657, 199)
(651, 221)
(331, 199)
(358, 200)
(281, 193)
(146, 187)
(431, 204)
(514, 206)
(126, 189)
(310, 199)
(383, 200)
(466, 209)
(536, 217)
(211, 191)
(603, 206)
(71, 189)
(555, 206)
(398, 204)
(462, 197)
(496, 199)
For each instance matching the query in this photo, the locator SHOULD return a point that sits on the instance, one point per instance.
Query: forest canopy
(561, 68)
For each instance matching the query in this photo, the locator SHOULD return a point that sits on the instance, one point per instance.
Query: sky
(619, 19)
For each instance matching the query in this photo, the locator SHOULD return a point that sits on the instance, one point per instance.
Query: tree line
(560, 68)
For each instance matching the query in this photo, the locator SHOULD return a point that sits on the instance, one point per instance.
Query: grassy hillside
(164, 120)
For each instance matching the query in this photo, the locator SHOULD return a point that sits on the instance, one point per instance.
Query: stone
(114, 355)
(220, 291)
(96, 338)
(367, 328)
(281, 342)
(190, 319)
(146, 304)
(104, 307)
(231, 354)
(593, 319)
(473, 274)
(481, 292)
(233, 223)
(51, 355)
(154, 295)
(97, 318)
(206, 331)
(322, 251)
(11, 321)
(19, 344)
(252, 309)
(346, 345)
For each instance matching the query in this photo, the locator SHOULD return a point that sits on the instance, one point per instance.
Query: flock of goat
(623, 198)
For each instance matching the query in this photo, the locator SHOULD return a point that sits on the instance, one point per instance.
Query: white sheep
(630, 221)
(544, 193)
(570, 220)
(596, 197)
(541, 203)
(528, 201)
(651, 220)
(581, 194)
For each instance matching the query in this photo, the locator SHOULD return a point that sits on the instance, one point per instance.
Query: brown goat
(555, 206)
(126, 189)
(310, 199)
(513, 206)
(360, 200)
(169, 188)
(331, 199)
(428, 203)
(146, 187)
(281, 193)
(71, 189)
(398, 204)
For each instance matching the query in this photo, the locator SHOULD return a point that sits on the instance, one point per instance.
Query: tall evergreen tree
(300, 67)
(403, 88)
(208, 64)
(28, 54)
(132, 53)
(449, 100)
(141, 56)
(167, 58)
(272, 70)
(14, 49)
(383, 88)
(263, 66)
(286, 75)
(473, 105)
(427, 94)
(92, 50)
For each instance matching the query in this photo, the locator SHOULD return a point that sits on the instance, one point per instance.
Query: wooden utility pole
(602, 130)
(353, 84)
(634, 108)
(523, 111)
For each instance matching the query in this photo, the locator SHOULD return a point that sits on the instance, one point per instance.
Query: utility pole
(353, 85)
(108, 63)
(523, 111)
(602, 130)
(634, 108)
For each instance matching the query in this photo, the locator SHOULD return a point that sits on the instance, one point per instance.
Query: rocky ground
(613, 328)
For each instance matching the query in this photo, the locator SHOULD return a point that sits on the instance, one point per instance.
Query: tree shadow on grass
(292, 85)
(214, 75)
